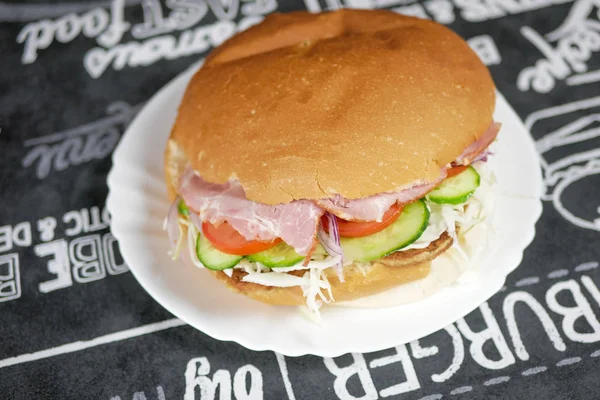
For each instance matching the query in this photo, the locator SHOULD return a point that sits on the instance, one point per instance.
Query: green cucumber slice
(405, 230)
(281, 255)
(457, 189)
(213, 258)
(182, 208)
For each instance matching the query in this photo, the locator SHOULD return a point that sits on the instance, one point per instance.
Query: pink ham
(479, 145)
(372, 208)
(295, 223)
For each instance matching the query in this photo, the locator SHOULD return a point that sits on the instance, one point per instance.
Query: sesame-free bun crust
(352, 102)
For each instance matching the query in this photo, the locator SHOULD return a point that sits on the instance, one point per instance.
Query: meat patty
(413, 256)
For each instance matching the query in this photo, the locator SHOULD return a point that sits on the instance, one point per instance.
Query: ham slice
(373, 208)
(295, 223)
(479, 145)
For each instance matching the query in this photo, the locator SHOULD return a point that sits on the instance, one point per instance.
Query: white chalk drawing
(461, 390)
(285, 376)
(160, 395)
(46, 227)
(110, 247)
(411, 382)
(412, 10)
(175, 33)
(23, 12)
(93, 141)
(514, 298)
(568, 361)
(419, 352)
(97, 341)
(10, 280)
(582, 126)
(199, 385)
(84, 259)
(80, 259)
(534, 371)
(491, 334)
(442, 11)
(18, 235)
(342, 375)
(58, 265)
(576, 321)
(496, 381)
(591, 287)
(86, 220)
(566, 50)
(457, 358)
(485, 47)
(87, 258)
(571, 314)
(160, 36)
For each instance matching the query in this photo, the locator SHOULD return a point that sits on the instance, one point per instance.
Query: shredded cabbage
(312, 283)
(314, 264)
(445, 217)
(276, 279)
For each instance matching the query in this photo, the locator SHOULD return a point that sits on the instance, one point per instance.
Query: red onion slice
(483, 156)
(331, 243)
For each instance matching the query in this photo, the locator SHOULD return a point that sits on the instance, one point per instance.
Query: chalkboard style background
(74, 324)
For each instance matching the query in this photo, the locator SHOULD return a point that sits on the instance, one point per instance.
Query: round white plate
(138, 204)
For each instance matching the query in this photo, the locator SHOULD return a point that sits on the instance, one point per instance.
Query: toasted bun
(352, 102)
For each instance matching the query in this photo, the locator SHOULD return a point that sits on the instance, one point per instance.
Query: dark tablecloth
(75, 324)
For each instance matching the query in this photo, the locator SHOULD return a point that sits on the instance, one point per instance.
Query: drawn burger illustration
(332, 158)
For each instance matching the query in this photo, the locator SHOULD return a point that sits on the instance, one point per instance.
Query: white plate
(138, 204)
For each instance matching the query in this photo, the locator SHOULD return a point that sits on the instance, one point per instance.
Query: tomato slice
(366, 228)
(226, 239)
(456, 170)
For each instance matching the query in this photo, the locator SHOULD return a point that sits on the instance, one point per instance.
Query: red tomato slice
(456, 170)
(226, 239)
(360, 229)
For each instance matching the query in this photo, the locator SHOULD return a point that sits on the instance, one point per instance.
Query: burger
(329, 158)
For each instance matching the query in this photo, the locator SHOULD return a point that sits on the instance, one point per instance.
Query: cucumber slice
(182, 208)
(404, 231)
(456, 190)
(212, 258)
(281, 255)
